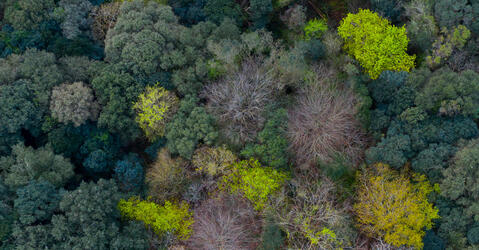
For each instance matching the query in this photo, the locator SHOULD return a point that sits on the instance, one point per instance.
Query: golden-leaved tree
(393, 207)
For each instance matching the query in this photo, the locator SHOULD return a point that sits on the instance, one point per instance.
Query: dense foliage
(239, 124)
(376, 44)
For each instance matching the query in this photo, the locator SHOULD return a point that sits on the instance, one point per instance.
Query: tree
(40, 72)
(6, 214)
(225, 222)
(171, 217)
(116, 91)
(394, 208)
(216, 10)
(17, 108)
(26, 14)
(376, 44)
(104, 18)
(65, 139)
(171, 47)
(390, 9)
(97, 162)
(448, 93)
(450, 13)
(339, 130)
(391, 89)
(257, 183)
(80, 68)
(26, 164)
(421, 28)
(73, 103)
(459, 183)
(166, 177)
(155, 108)
(446, 43)
(190, 126)
(73, 16)
(433, 160)
(36, 202)
(89, 219)
(315, 28)
(260, 11)
(294, 17)
(213, 160)
(271, 147)
(189, 11)
(314, 218)
(239, 100)
(129, 173)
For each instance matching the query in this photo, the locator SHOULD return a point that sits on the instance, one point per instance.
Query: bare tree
(239, 101)
(323, 123)
(225, 223)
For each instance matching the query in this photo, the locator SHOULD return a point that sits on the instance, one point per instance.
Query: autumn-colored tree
(166, 177)
(171, 217)
(254, 181)
(375, 43)
(213, 160)
(154, 108)
(393, 207)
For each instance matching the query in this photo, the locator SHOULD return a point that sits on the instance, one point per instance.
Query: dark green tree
(116, 91)
(27, 14)
(271, 147)
(26, 164)
(449, 93)
(260, 12)
(217, 10)
(190, 126)
(89, 219)
(36, 202)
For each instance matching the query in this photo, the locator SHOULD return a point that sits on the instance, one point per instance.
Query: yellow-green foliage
(213, 161)
(154, 108)
(325, 234)
(171, 217)
(254, 181)
(445, 43)
(393, 207)
(315, 28)
(375, 43)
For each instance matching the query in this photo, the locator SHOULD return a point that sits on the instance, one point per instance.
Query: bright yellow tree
(375, 43)
(154, 109)
(392, 207)
(253, 181)
(171, 217)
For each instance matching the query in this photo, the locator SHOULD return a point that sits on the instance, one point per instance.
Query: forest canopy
(239, 124)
